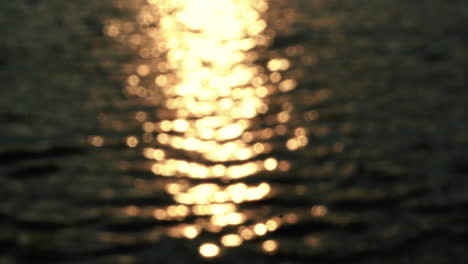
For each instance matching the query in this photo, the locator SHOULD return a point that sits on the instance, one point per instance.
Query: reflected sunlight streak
(200, 69)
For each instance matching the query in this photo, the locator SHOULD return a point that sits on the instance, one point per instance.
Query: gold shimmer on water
(209, 250)
(96, 141)
(213, 125)
(319, 210)
(270, 246)
(231, 240)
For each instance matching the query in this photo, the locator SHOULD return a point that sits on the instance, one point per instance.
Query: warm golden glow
(273, 224)
(160, 214)
(270, 246)
(232, 218)
(191, 231)
(319, 210)
(205, 69)
(231, 240)
(132, 210)
(246, 233)
(271, 164)
(132, 141)
(96, 141)
(278, 64)
(207, 76)
(209, 250)
(212, 193)
(260, 229)
(213, 209)
(291, 218)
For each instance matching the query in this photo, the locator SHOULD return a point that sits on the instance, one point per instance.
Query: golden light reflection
(214, 124)
(246, 233)
(273, 224)
(208, 78)
(231, 240)
(270, 246)
(271, 164)
(191, 231)
(132, 141)
(260, 229)
(96, 141)
(319, 210)
(213, 193)
(209, 250)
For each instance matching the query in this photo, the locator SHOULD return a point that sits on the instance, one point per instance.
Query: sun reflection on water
(213, 118)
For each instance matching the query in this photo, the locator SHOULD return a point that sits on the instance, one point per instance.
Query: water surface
(233, 132)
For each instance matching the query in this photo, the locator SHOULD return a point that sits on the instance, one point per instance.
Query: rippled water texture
(233, 131)
(220, 120)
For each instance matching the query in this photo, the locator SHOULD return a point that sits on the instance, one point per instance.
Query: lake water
(223, 124)
(231, 131)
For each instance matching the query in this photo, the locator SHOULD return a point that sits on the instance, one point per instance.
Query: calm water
(232, 131)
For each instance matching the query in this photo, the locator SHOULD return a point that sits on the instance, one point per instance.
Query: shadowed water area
(233, 131)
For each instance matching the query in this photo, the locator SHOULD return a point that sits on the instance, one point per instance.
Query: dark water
(233, 132)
